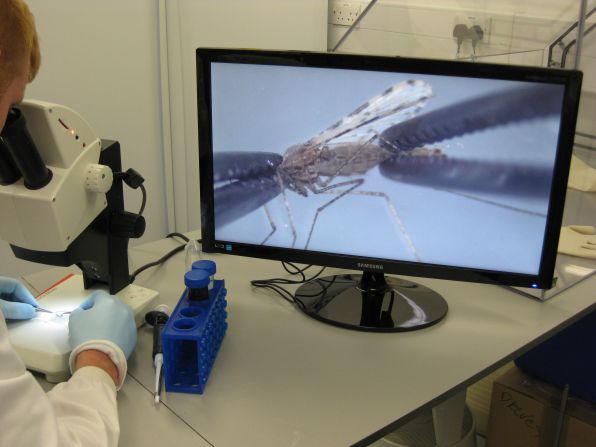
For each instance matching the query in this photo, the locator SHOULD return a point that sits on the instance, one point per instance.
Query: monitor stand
(371, 302)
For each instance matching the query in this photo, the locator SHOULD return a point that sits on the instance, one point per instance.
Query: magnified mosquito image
(421, 168)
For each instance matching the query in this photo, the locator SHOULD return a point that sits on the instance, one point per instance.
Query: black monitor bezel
(570, 79)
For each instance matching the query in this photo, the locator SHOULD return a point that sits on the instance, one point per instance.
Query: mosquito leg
(271, 222)
(393, 210)
(290, 218)
(354, 184)
(493, 203)
(289, 212)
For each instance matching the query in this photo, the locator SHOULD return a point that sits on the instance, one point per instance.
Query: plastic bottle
(192, 253)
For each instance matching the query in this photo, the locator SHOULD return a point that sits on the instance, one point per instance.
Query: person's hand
(103, 317)
(578, 240)
(16, 302)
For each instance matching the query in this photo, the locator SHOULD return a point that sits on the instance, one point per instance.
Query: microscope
(62, 202)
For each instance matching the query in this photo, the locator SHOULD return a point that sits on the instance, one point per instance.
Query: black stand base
(371, 302)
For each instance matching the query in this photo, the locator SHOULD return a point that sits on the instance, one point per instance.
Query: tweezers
(58, 314)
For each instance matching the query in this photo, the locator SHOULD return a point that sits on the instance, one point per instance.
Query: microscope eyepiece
(9, 173)
(17, 147)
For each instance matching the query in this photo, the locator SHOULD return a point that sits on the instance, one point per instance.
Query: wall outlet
(343, 13)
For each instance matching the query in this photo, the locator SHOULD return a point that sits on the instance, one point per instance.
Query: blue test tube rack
(192, 338)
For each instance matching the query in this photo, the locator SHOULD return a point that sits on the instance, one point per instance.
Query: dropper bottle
(192, 253)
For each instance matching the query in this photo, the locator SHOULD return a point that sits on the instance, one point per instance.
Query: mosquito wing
(390, 107)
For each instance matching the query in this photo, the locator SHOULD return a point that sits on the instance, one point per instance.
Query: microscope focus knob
(125, 224)
(98, 178)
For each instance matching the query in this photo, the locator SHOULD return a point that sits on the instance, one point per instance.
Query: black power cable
(134, 180)
(274, 283)
(164, 258)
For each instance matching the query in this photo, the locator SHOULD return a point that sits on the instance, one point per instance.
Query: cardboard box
(524, 413)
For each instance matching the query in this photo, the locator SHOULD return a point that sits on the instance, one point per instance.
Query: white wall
(102, 59)
(265, 24)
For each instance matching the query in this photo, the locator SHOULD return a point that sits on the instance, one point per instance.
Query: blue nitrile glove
(16, 302)
(103, 317)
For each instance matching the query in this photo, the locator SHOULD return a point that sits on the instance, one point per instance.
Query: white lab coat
(80, 412)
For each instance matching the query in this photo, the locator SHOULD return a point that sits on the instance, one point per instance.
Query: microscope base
(42, 342)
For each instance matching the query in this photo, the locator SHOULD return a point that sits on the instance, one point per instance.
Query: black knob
(125, 224)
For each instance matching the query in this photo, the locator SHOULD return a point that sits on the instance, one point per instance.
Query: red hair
(19, 43)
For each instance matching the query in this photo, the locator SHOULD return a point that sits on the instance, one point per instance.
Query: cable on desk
(292, 269)
(164, 258)
(179, 235)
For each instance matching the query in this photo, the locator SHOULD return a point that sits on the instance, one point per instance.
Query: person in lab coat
(102, 331)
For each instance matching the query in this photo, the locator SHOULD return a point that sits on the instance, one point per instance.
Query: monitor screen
(426, 168)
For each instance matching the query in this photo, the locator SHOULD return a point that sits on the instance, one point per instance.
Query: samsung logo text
(369, 266)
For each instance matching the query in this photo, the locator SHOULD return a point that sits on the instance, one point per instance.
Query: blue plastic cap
(206, 265)
(196, 279)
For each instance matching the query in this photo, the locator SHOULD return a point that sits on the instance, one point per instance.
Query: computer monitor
(384, 165)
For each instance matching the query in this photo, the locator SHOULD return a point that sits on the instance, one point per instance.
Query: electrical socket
(344, 13)
(472, 19)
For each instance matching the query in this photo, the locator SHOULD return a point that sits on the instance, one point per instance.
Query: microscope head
(51, 185)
